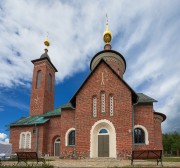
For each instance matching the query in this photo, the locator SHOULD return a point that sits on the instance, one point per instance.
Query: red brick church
(104, 118)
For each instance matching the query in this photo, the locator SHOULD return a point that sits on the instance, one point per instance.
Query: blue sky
(146, 33)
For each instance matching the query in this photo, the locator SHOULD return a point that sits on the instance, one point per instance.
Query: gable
(134, 95)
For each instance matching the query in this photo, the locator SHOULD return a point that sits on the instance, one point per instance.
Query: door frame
(94, 138)
(56, 141)
(103, 134)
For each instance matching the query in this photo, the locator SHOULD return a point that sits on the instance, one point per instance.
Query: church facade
(104, 118)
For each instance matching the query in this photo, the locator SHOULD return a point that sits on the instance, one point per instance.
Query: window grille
(25, 140)
(111, 105)
(71, 138)
(139, 135)
(94, 107)
(28, 141)
(103, 102)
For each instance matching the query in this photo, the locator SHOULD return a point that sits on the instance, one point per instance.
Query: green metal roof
(54, 112)
(40, 119)
(67, 105)
(30, 120)
(145, 99)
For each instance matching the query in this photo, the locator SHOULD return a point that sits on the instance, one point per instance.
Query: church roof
(145, 99)
(45, 55)
(161, 114)
(30, 120)
(106, 51)
(134, 95)
(40, 119)
(45, 58)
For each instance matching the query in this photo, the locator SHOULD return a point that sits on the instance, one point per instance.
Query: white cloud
(3, 136)
(6, 140)
(146, 32)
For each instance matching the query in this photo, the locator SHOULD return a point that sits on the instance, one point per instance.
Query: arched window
(94, 106)
(103, 102)
(139, 135)
(103, 131)
(111, 105)
(71, 140)
(38, 79)
(28, 140)
(70, 137)
(57, 147)
(25, 140)
(49, 82)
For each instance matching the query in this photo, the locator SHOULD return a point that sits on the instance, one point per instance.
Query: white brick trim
(145, 132)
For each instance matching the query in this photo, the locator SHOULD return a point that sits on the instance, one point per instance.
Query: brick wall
(158, 132)
(117, 66)
(15, 137)
(67, 122)
(42, 99)
(51, 132)
(122, 110)
(144, 116)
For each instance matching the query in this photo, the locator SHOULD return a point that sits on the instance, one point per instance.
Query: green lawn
(147, 167)
(171, 159)
(43, 166)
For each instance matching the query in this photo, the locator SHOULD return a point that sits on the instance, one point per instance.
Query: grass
(146, 167)
(165, 159)
(171, 159)
(36, 166)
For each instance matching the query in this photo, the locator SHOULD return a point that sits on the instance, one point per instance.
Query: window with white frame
(25, 140)
(94, 106)
(111, 105)
(140, 135)
(70, 137)
(28, 140)
(103, 102)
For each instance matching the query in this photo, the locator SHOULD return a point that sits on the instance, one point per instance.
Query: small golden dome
(107, 35)
(46, 42)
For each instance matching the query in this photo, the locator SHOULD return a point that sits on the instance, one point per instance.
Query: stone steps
(103, 159)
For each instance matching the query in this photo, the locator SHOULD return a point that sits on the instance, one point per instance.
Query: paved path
(107, 163)
(60, 163)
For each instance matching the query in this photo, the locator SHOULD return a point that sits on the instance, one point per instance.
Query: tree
(171, 142)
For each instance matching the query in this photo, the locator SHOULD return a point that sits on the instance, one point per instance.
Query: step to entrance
(103, 159)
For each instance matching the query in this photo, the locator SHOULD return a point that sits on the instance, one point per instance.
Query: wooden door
(103, 145)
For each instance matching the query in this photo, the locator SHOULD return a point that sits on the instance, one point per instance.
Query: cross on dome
(107, 35)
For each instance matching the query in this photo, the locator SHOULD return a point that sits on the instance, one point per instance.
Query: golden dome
(46, 42)
(107, 35)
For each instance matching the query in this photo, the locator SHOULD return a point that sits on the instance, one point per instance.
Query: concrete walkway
(59, 163)
(87, 163)
(105, 162)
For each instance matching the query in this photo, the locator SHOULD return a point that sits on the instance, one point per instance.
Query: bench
(147, 154)
(25, 156)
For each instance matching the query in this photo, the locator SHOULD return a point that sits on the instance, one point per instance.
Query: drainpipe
(36, 138)
(133, 107)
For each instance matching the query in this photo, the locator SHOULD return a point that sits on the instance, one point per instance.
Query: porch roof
(39, 119)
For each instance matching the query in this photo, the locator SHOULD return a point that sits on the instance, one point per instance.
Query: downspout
(37, 133)
(133, 107)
